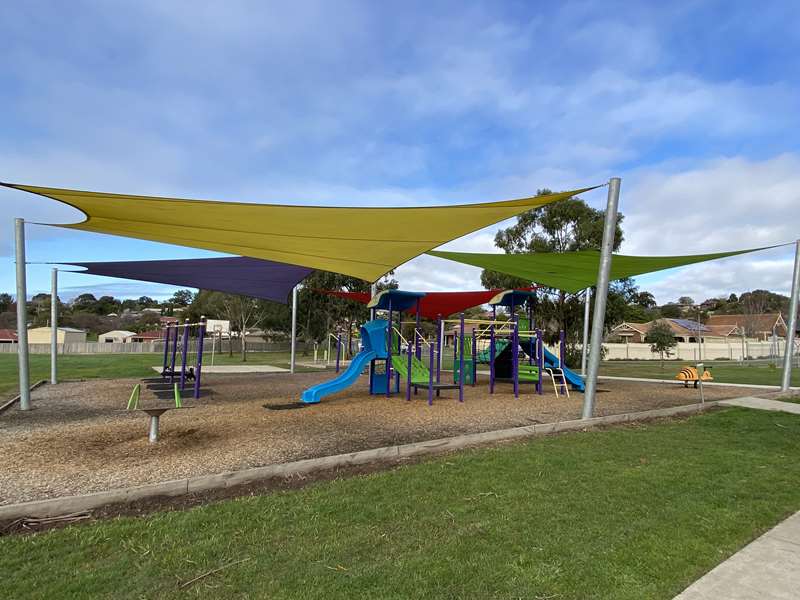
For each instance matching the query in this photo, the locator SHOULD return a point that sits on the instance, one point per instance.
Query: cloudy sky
(693, 104)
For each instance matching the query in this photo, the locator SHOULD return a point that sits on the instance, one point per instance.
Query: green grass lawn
(626, 513)
(723, 372)
(112, 366)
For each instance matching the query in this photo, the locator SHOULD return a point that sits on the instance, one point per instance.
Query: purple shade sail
(233, 275)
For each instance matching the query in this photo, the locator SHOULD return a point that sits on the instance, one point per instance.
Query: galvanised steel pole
(788, 351)
(54, 326)
(601, 295)
(294, 330)
(585, 348)
(22, 317)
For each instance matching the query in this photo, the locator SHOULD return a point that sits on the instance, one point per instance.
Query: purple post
(474, 357)
(166, 349)
(531, 338)
(492, 350)
(417, 346)
(562, 351)
(539, 359)
(408, 375)
(430, 377)
(438, 348)
(338, 350)
(174, 354)
(515, 356)
(201, 334)
(184, 352)
(389, 354)
(461, 360)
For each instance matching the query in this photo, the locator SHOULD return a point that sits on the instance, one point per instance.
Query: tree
(686, 301)
(146, 302)
(671, 311)
(85, 303)
(563, 226)
(6, 302)
(661, 339)
(182, 298)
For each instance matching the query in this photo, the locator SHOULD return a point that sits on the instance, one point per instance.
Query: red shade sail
(432, 304)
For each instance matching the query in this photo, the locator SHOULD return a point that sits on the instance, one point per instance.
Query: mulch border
(298, 469)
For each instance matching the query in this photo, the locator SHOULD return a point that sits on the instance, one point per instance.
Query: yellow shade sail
(360, 242)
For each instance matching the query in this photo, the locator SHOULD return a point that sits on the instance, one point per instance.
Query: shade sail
(575, 271)
(432, 304)
(360, 242)
(234, 275)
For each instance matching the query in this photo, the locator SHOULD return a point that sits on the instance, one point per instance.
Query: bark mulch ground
(78, 439)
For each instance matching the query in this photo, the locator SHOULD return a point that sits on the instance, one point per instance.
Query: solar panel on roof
(692, 325)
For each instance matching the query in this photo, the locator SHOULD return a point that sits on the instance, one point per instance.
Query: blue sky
(693, 104)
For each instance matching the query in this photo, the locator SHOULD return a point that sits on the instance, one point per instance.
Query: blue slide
(316, 393)
(575, 380)
(373, 342)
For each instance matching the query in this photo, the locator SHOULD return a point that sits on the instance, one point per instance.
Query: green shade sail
(575, 271)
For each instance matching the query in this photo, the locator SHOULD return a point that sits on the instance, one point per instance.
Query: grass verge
(631, 512)
(723, 372)
(115, 366)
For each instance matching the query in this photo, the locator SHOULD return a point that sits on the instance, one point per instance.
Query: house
(8, 336)
(683, 330)
(64, 335)
(168, 320)
(116, 337)
(629, 333)
(759, 326)
(153, 335)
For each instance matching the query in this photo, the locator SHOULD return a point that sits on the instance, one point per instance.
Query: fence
(690, 351)
(148, 347)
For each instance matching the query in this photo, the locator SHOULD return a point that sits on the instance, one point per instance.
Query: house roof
(8, 334)
(642, 328)
(757, 322)
(67, 329)
(118, 333)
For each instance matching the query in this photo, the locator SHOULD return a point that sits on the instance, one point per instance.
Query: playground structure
(323, 238)
(689, 375)
(173, 332)
(514, 352)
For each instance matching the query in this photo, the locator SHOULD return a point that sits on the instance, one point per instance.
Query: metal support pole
(786, 382)
(152, 434)
(389, 353)
(166, 350)
(587, 296)
(338, 350)
(54, 326)
(294, 330)
(562, 349)
(601, 295)
(22, 317)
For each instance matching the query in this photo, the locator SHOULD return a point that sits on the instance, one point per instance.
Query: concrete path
(764, 404)
(766, 569)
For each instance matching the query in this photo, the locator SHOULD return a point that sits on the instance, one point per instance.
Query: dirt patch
(78, 440)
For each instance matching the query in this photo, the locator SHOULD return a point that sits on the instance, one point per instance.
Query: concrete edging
(15, 399)
(68, 504)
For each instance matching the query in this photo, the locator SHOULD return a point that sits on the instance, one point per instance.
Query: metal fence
(150, 347)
